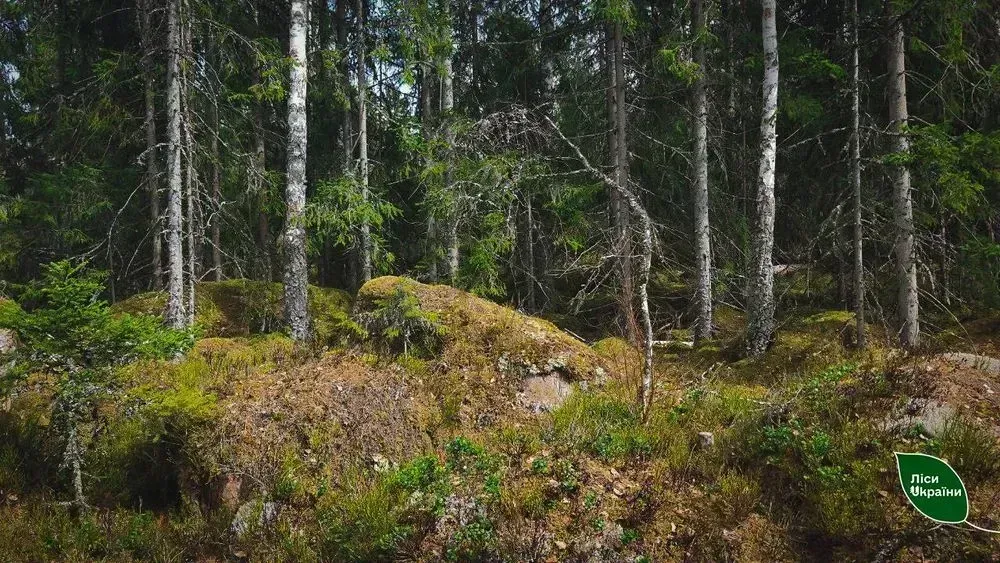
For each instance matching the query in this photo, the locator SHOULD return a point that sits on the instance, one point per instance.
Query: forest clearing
(531, 280)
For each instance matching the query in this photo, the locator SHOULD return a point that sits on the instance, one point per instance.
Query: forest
(499, 280)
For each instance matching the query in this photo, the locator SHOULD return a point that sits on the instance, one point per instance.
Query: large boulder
(491, 353)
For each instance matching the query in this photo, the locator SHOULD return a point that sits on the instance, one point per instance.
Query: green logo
(933, 487)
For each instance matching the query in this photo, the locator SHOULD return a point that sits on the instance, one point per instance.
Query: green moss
(829, 317)
(245, 307)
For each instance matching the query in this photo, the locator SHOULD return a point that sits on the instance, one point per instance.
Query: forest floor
(460, 430)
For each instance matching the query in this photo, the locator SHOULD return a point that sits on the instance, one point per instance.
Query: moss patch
(244, 307)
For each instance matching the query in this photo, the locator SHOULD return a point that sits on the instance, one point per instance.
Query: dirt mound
(243, 307)
(333, 413)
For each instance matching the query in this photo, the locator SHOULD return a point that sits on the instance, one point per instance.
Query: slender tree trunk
(190, 177)
(908, 305)
(216, 197)
(549, 81)
(425, 120)
(259, 189)
(702, 232)
(859, 264)
(760, 287)
(447, 108)
(296, 270)
(618, 150)
(175, 314)
(365, 253)
(346, 129)
(152, 172)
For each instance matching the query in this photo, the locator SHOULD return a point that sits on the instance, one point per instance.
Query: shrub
(399, 319)
(67, 331)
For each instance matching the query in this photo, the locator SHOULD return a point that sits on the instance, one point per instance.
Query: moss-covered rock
(480, 334)
(244, 307)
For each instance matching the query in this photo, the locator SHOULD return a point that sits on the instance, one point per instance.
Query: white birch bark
(447, 107)
(296, 276)
(760, 285)
(908, 305)
(175, 314)
(365, 253)
(702, 232)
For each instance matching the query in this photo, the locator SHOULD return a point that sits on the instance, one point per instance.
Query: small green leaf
(933, 487)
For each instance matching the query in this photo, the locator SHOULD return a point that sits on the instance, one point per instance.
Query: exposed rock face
(973, 361)
(8, 342)
(542, 393)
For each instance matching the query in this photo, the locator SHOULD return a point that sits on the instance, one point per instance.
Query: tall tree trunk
(908, 304)
(760, 286)
(365, 252)
(216, 197)
(431, 256)
(619, 155)
(259, 189)
(859, 264)
(190, 177)
(447, 108)
(152, 173)
(549, 81)
(702, 232)
(175, 314)
(296, 270)
(346, 129)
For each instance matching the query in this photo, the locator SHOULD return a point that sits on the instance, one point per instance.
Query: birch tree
(365, 252)
(907, 304)
(176, 314)
(760, 277)
(702, 233)
(296, 271)
(447, 109)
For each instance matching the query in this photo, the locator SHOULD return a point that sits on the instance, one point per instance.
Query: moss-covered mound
(481, 335)
(244, 307)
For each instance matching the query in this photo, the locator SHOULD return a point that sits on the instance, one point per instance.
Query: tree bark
(760, 286)
(296, 270)
(346, 130)
(447, 108)
(175, 314)
(365, 252)
(190, 177)
(425, 121)
(152, 173)
(908, 304)
(216, 197)
(702, 231)
(618, 147)
(859, 264)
